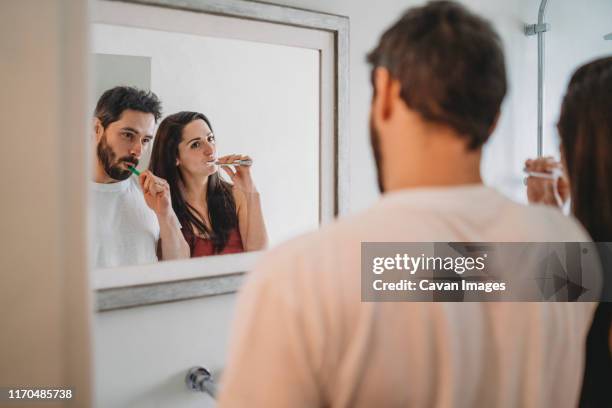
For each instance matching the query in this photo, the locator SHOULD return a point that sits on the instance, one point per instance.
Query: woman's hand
(547, 191)
(156, 193)
(239, 175)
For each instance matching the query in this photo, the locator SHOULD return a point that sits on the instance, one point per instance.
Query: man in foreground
(304, 338)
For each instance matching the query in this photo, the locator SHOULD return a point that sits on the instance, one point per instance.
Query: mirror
(266, 111)
(260, 95)
(269, 112)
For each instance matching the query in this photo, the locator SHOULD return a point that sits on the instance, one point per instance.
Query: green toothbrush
(133, 170)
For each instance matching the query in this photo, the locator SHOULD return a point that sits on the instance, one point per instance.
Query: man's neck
(439, 163)
(100, 176)
(431, 178)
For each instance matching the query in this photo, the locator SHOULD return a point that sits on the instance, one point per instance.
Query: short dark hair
(113, 102)
(450, 65)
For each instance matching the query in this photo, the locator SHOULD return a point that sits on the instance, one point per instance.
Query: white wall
(111, 70)
(143, 354)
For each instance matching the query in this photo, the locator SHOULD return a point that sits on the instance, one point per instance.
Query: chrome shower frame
(539, 29)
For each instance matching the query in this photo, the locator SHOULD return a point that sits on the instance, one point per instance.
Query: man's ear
(98, 129)
(387, 96)
(380, 100)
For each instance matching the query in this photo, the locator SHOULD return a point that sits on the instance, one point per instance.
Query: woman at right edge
(585, 130)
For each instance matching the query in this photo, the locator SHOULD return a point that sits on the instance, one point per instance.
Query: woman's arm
(250, 220)
(248, 206)
(157, 196)
(172, 242)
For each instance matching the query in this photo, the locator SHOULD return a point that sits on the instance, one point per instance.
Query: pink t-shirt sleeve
(269, 363)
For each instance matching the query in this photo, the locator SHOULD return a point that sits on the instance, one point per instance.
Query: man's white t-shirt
(125, 229)
(303, 338)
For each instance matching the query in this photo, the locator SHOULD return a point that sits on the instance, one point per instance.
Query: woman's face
(197, 150)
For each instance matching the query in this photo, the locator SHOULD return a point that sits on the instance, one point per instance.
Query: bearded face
(116, 168)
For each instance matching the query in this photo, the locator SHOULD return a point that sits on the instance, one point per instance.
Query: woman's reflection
(216, 217)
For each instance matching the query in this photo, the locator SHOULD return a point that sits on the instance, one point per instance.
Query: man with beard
(303, 337)
(134, 222)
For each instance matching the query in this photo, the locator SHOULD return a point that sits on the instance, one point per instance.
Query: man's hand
(157, 196)
(156, 193)
(547, 191)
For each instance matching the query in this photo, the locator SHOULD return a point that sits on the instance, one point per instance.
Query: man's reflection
(133, 219)
(217, 217)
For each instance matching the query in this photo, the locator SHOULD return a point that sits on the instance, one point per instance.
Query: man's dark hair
(113, 102)
(450, 65)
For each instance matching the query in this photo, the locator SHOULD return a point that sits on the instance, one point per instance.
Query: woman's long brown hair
(585, 128)
(219, 197)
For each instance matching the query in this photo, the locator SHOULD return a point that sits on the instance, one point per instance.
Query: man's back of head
(439, 80)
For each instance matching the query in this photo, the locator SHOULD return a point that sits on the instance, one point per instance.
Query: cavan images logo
(460, 271)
